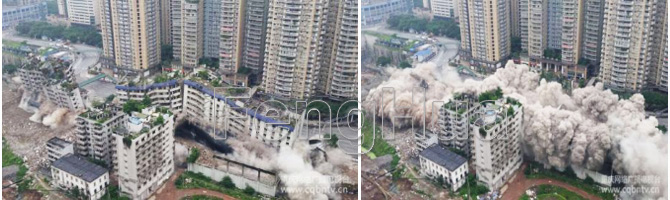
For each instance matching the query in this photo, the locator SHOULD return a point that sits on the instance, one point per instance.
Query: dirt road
(520, 184)
(170, 191)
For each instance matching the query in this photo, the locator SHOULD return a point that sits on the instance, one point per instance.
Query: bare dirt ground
(27, 138)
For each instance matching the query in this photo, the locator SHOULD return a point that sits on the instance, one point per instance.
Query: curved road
(170, 191)
(517, 187)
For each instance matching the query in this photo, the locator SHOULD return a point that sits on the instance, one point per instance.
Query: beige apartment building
(294, 47)
(131, 33)
(628, 47)
(342, 80)
(485, 31)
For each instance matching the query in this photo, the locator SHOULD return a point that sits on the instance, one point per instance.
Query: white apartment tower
(628, 48)
(131, 33)
(485, 31)
(294, 47)
(444, 8)
(497, 131)
(592, 29)
(82, 11)
(144, 147)
(232, 14)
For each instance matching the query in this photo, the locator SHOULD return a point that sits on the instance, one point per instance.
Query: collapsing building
(54, 79)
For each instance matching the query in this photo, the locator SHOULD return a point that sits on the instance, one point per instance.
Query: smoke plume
(560, 130)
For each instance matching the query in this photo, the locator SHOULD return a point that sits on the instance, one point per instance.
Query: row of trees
(441, 27)
(75, 33)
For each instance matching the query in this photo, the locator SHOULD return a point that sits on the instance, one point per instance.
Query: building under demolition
(485, 128)
(54, 79)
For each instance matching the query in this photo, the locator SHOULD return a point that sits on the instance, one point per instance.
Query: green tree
(333, 140)
(404, 64)
(227, 182)
(195, 153)
(249, 190)
(9, 68)
(146, 101)
(159, 120)
(383, 61)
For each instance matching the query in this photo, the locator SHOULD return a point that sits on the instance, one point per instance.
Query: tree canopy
(75, 33)
(441, 27)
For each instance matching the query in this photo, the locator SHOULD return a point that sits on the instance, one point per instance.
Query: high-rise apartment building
(515, 15)
(554, 23)
(255, 27)
(166, 21)
(294, 47)
(144, 147)
(628, 45)
(187, 37)
(211, 28)
(62, 7)
(485, 31)
(232, 15)
(523, 23)
(131, 33)
(659, 71)
(571, 32)
(592, 29)
(82, 11)
(537, 27)
(342, 80)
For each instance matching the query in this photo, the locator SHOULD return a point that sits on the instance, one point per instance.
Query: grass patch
(536, 171)
(473, 190)
(556, 193)
(8, 156)
(198, 180)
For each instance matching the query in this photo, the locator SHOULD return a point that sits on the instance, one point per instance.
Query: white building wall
(82, 11)
(65, 180)
(454, 178)
(443, 8)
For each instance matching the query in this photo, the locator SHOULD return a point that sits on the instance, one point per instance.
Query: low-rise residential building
(438, 162)
(13, 15)
(377, 11)
(94, 128)
(214, 112)
(76, 172)
(166, 94)
(57, 148)
(144, 151)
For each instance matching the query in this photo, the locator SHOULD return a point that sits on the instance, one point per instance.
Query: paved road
(170, 191)
(520, 184)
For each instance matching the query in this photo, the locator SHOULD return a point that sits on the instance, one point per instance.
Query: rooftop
(443, 157)
(79, 167)
(58, 142)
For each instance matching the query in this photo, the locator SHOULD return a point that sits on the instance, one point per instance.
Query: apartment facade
(76, 172)
(82, 12)
(294, 49)
(144, 147)
(255, 31)
(166, 21)
(54, 79)
(572, 31)
(211, 28)
(188, 35)
(592, 29)
(57, 148)
(220, 115)
(438, 162)
(342, 79)
(94, 129)
(485, 31)
(165, 94)
(131, 33)
(444, 8)
(537, 27)
(453, 125)
(375, 12)
(232, 15)
(627, 48)
(497, 145)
